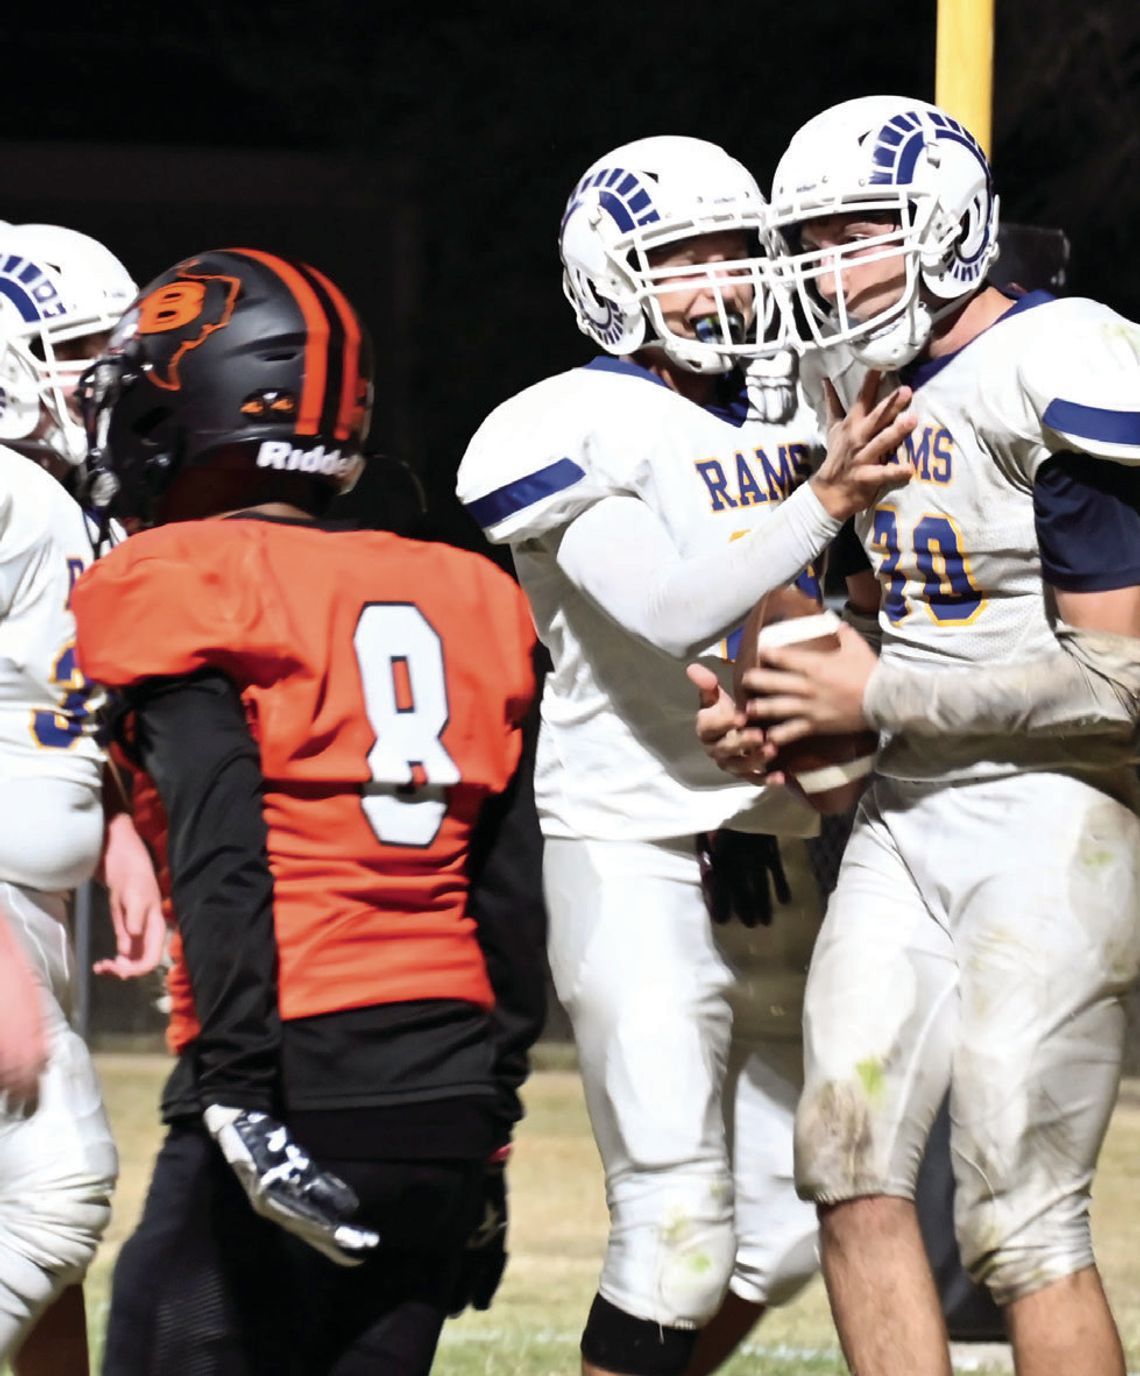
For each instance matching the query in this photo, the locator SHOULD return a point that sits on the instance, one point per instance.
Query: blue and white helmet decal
(29, 289)
(623, 195)
(647, 196)
(897, 151)
(612, 202)
(898, 145)
(28, 299)
(919, 176)
(57, 286)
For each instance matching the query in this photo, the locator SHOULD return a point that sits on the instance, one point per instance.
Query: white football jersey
(964, 552)
(618, 756)
(50, 762)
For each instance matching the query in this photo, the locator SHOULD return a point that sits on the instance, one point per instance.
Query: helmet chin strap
(897, 343)
(901, 340)
(694, 362)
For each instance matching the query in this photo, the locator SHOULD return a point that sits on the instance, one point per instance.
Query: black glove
(739, 870)
(287, 1187)
(485, 1255)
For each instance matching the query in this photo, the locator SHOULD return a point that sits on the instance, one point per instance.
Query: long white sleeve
(620, 554)
(1088, 687)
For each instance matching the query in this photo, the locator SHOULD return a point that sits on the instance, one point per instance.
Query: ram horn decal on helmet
(910, 167)
(648, 196)
(60, 293)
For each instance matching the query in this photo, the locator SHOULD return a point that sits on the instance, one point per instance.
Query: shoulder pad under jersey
(1081, 374)
(547, 454)
(174, 600)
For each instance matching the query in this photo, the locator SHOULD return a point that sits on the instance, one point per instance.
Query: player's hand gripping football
(794, 694)
(861, 461)
(732, 742)
(485, 1255)
(286, 1186)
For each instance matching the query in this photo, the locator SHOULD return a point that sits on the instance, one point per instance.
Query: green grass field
(557, 1229)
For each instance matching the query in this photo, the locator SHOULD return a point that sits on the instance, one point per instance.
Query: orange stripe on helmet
(350, 371)
(316, 339)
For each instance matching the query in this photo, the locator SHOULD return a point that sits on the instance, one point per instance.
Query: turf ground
(557, 1231)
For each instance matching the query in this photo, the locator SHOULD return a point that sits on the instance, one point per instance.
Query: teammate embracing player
(649, 499)
(986, 924)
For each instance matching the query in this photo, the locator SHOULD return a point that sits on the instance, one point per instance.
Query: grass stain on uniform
(872, 1077)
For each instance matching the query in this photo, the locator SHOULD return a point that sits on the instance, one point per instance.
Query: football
(832, 771)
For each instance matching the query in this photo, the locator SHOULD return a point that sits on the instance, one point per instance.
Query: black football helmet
(232, 362)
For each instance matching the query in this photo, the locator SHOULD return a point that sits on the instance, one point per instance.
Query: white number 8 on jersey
(405, 696)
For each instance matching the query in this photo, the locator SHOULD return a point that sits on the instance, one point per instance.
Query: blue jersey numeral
(950, 591)
(941, 566)
(60, 728)
(885, 538)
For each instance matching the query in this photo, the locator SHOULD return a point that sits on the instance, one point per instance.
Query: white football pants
(57, 1160)
(982, 936)
(689, 1046)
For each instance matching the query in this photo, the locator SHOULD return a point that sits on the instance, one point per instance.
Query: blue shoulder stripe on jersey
(915, 374)
(523, 492)
(1093, 422)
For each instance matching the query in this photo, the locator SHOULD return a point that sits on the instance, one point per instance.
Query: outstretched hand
(862, 444)
(134, 900)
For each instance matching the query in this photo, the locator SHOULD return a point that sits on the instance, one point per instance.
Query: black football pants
(204, 1287)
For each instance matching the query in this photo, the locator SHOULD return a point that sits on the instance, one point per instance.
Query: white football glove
(287, 1187)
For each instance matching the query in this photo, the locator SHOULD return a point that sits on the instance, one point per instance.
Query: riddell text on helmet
(281, 454)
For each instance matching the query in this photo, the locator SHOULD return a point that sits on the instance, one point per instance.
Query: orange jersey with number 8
(384, 681)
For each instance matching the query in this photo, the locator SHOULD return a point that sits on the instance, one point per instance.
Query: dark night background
(421, 155)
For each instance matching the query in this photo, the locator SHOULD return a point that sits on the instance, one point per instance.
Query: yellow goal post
(964, 62)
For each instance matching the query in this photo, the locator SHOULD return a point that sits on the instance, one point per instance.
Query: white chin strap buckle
(898, 343)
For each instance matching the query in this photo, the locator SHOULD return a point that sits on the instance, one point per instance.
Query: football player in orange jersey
(358, 964)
